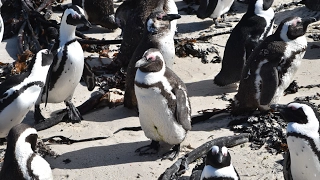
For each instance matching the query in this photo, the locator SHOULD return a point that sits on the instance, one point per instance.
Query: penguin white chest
(226, 172)
(222, 7)
(304, 162)
(41, 168)
(72, 60)
(157, 120)
(14, 113)
(167, 49)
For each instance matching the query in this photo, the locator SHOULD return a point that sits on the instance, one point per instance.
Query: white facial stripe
(224, 150)
(285, 27)
(295, 106)
(215, 149)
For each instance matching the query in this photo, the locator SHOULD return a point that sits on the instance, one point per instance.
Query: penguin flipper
(182, 111)
(270, 81)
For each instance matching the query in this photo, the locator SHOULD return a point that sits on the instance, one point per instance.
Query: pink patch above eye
(152, 57)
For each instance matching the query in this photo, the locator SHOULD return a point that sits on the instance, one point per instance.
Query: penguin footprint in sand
(303, 140)
(164, 107)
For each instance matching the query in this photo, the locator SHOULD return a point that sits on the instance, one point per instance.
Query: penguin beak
(143, 61)
(170, 17)
(307, 21)
(278, 107)
(85, 21)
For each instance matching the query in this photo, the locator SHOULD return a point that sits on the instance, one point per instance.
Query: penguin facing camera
(157, 34)
(19, 93)
(218, 165)
(303, 132)
(164, 107)
(214, 9)
(272, 65)
(255, 25)
(67, 67)
(21, 161)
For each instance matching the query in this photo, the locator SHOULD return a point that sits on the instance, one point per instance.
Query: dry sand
(114, 158)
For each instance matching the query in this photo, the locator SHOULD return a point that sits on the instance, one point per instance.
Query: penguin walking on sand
(218, 165)
(164, 107)
(19, 93)
(214, 9)
(272, 65)
(67, 67)
(157, 34)
(255, 25)
(20, 160)
(99, 12)
(303, 139)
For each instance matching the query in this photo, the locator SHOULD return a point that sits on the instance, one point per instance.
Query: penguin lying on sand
(157, 34)
(67, 67)
(253, 27)
(164, 107)
(218, 165)
(271, 66)
(20, 160)
(214, 9)
(303, 139)
(19, 93)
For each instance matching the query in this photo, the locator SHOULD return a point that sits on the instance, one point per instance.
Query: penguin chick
(20, 92)
(157, 34)
(164, 107)
(272, 65)
(218, 165)
(20, 160)
(66, 70)
(303, 139)
(214, 9)
(255, 25)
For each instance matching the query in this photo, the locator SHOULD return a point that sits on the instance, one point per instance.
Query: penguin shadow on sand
(312, 52)
(208, 88)
(11, 48)
(121, 153)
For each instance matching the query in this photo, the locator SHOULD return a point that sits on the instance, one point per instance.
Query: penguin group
(261, 60)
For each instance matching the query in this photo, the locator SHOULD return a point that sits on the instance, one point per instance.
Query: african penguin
(164, 107)
(20, 161)
(19, 93)
(214, 9)
(303, 139)
(271, 66)
(139, 12)
(67, 67)
(99, 12)
(218, 165)
(157, 34)
(255, 25)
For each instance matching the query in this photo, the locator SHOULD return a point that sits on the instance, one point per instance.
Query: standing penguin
(253, 27)
(218, 165)
(214, 9)
(157, 34)
(303, 139)
(164, 107)
(271, 66)
(19, 93)
(20, 161)
(67, 67)
(99, 12)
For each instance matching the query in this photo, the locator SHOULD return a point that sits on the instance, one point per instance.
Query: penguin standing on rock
(218, 165)
(272, 66)
(19, 93)
(303, 139)
(164, 107)
(20, 160)
(253, 27)
(157, 34)
(67, 67)
(214, 9)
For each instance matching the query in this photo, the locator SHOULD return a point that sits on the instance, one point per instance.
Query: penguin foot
(154, 146)
(37, 115)
(172, 154)
(73, 113)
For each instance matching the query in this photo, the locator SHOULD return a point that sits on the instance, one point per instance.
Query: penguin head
(151, 61)
(74, 15)
(160, 21)
(301, 116)
(218, 157)
(293, 27)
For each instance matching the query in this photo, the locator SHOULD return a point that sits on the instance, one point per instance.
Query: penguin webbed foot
(73, 113)
(152, 148)
(38, 117)
(172, 154)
